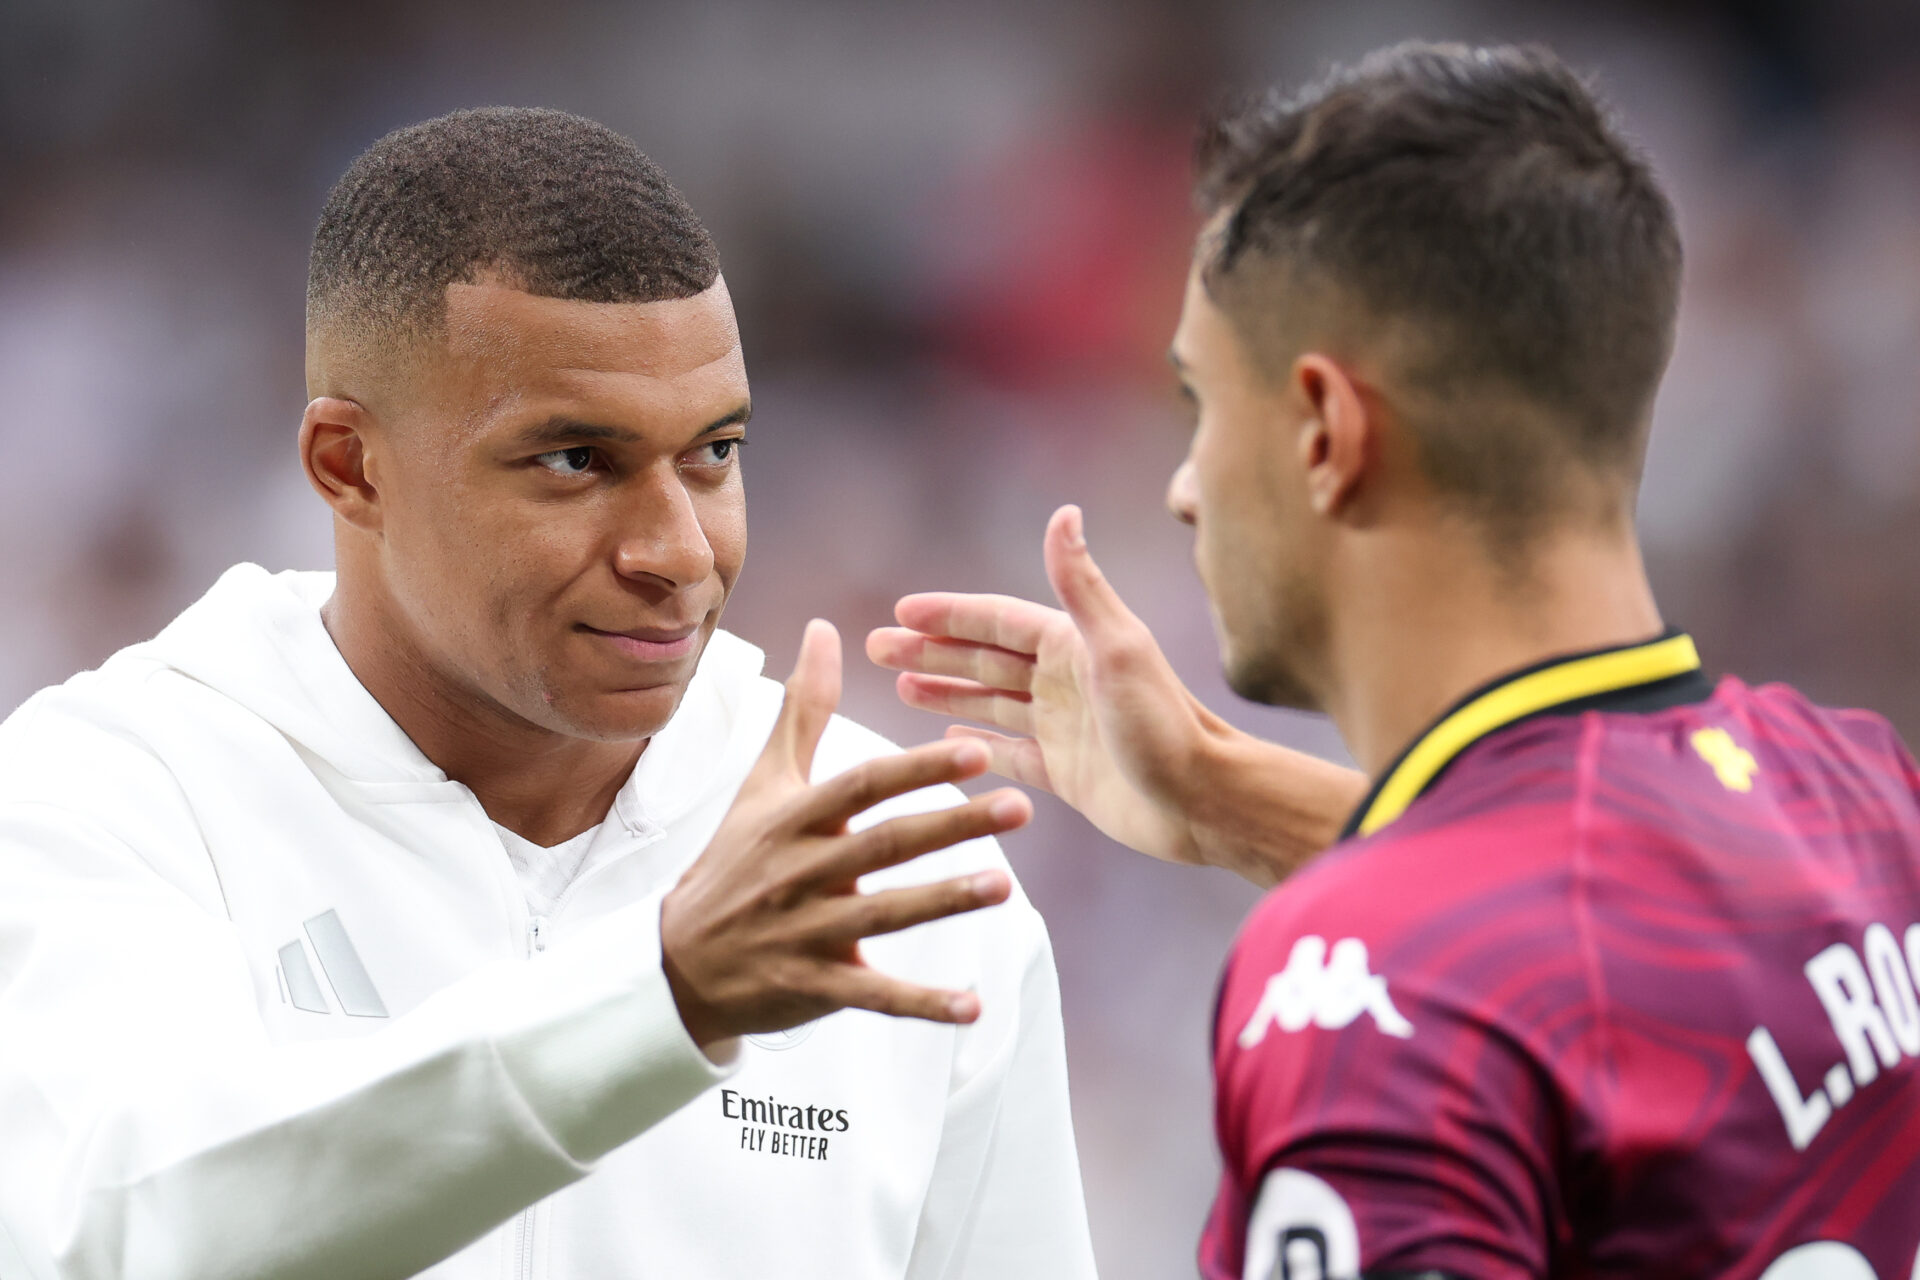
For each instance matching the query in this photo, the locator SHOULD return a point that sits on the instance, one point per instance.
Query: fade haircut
(547, 202)
(1481, 200)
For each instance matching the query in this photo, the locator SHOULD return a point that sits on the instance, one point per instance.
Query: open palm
(1081, 700)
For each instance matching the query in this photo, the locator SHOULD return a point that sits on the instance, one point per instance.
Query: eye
(567, 462)
(719, 453)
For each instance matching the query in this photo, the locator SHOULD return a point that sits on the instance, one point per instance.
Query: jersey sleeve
(1377, 1113)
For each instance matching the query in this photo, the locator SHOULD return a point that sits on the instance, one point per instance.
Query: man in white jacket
(478, 912)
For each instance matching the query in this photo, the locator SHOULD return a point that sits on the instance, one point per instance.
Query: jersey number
(1825, 1260)
(1301, 1229)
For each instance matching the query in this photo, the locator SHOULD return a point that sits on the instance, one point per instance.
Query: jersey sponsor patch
(1324, 987)
(1732, 763)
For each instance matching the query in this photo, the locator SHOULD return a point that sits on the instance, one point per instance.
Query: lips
(650, 644)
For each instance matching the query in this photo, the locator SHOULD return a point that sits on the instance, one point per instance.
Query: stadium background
(955, 234)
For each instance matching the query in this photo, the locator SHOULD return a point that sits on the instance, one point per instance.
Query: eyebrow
(561, 429)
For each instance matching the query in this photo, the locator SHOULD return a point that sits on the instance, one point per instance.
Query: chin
(1264, 668)
(1271, 683)
(626, 715)
(1270, 640)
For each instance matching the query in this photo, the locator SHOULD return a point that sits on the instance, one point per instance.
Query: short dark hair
(551, 203)
(1483, 197)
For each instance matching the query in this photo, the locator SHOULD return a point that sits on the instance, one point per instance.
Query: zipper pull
(537, 933)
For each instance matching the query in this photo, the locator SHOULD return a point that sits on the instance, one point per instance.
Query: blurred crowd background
(956, 235)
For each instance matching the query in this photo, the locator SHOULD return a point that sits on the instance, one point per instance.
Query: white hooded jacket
(272, 1005)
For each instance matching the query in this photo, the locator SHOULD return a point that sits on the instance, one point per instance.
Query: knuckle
(1124, 657)
(864, 787)
(790, 980)
(884, 843)
(869, 916)
(772, 900)
(957, 823)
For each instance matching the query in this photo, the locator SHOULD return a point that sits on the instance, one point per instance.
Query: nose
(662, 538)
(1183, 493)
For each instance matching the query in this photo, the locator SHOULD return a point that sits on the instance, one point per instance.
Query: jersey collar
(1651, 675)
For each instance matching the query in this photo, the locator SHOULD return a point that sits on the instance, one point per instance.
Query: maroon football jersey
(1616, 977)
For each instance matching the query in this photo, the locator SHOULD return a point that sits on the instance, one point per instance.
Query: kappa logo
(1325, 989)
(339, 962)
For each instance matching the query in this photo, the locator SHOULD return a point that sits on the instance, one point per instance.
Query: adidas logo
(1325, 989)
(353, 991)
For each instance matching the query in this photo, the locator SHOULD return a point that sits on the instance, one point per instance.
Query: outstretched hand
(1085, 703)
(763, 932)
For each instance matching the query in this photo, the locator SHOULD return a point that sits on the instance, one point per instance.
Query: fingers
(905, 838)
(858, 987)
(1096, 608)
(869, 915)
(946, 696)
(813, 691)
(1017, 759)
(903, 649)
(829, 806)
(1006, 622)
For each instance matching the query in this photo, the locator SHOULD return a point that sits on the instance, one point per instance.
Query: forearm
(211, 1153)
(1262, 810)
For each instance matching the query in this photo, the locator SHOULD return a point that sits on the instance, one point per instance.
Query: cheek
(723, 519)
(430, 542)
(1225, 494)
(480, 559)
(1247, 512)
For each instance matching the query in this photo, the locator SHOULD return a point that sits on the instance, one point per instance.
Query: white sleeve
(152, 1131)
(1005, 1201)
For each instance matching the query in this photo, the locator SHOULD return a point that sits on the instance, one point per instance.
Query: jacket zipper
(523, 1231)
(534, 942)
(538, 927)
(524, 1249)
(523, 1226)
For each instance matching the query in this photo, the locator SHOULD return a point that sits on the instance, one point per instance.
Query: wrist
(1262, 810)
(1219, 817)
(696, 1015)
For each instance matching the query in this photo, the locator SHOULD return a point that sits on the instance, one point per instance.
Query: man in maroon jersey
(1613, 971)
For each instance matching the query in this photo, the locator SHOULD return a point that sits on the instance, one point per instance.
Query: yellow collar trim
(1514, 700)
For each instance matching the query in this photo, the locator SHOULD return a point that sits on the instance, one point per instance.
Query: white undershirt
(546, 872)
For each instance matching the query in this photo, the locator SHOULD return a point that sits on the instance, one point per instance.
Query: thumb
(1092, 603)
(813, 691)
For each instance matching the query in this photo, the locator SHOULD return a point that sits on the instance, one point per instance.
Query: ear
(1337, 437)
(333, 450)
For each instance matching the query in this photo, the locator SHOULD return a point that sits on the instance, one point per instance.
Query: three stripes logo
(353, 990)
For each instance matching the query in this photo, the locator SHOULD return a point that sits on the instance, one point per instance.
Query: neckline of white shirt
(546, 871)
